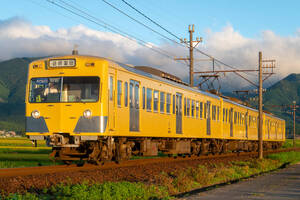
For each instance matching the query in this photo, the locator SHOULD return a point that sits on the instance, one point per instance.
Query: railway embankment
(142, 181)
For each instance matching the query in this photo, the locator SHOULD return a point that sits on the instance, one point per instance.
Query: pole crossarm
(224, 71)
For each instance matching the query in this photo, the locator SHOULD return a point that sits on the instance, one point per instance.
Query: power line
(140, 22)
(150, 19)
(198, 50)
(105, 25)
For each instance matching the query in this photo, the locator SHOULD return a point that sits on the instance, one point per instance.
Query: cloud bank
(19, 38)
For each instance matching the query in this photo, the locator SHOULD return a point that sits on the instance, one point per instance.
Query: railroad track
(16, 172)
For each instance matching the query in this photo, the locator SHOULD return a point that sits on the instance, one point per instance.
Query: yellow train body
(133, 103)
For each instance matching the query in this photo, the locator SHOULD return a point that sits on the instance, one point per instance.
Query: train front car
(65, 106)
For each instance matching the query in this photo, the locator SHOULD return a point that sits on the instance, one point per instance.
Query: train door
(134, 98)
(178, 113)
(111, 102)
(246, 124)
(208, 123)
(231, 121)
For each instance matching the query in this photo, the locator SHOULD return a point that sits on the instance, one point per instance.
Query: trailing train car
(95, 109)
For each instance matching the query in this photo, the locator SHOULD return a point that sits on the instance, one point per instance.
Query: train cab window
(184, 106)
(168, 108)
(64, 89)
(149, 99)
(201, 110)
(223, 114)
(119, 92)
(155, 103)
(111, 87)
(197, 109)
(162, 102)
(193, 108)
(174, 104)
(126, 94)
(144, 98)
(188, 107)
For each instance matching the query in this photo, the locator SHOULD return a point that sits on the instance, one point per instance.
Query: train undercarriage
(118, 149)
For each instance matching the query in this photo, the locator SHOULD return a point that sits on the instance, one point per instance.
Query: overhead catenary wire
(150, 19)
(107, 26)
(137, 21)
(198, 50)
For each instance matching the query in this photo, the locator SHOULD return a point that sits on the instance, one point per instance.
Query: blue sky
(250, 18)
(233, 31)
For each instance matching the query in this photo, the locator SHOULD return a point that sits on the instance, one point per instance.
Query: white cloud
(19, 38)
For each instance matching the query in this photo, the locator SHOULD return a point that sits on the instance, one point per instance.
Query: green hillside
(284, 92)
(13, 75)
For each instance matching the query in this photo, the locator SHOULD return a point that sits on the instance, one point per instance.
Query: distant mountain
(13, 75)
(284, 92)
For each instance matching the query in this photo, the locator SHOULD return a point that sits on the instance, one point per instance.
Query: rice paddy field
(20, 152)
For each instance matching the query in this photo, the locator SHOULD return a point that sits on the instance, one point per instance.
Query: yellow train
(95, 109)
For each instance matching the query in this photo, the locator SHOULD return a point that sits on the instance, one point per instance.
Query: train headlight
(35, 114)
(87, 113)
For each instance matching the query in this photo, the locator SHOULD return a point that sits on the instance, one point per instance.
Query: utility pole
(294, 116)
(191, 47)
(191, 31)
(260, 111)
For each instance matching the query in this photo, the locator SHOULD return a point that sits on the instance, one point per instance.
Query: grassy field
(19, 152)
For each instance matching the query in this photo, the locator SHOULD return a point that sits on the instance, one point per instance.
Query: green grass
(105, 191)
(20, 141)
(289, 143)
(10, 158)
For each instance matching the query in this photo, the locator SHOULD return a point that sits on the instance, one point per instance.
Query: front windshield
(64, 89)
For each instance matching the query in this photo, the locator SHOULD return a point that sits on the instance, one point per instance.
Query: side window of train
(162, 102)
(168, 109)
(201, 109)
(131, 95)
(119, 92)
(155, 103)
(174, 104)
(205, 109)
(188, 107)
(126, 94)
(144, 98)
(223, 114)
(193, 108)
(218, 113)
(184, 106)
(111, 87)
(227, 115)
(197, 109)
(149, 99)
(235, 117)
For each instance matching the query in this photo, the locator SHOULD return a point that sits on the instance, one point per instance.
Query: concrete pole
(191, 31)
(260, 114)
(294, 116)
